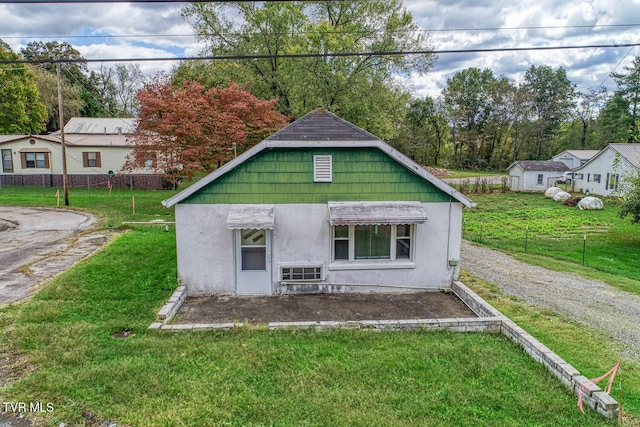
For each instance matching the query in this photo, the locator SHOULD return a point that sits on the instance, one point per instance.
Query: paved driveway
(38, 243)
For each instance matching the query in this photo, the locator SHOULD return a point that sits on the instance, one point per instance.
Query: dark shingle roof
(321, 125)
(542, 165)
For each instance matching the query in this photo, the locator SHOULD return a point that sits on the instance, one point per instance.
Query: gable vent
(322, 168)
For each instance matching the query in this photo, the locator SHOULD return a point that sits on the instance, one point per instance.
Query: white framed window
(540, 179)
(360, 243)
(322, 168)
(7, 161)
(32, 160)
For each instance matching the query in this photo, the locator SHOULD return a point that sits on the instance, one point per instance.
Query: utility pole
(65, 178)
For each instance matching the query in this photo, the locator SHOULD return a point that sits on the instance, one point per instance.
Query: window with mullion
(372, 242)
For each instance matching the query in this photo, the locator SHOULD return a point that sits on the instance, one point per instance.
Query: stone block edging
(489, 320)
(170, 309)
(592, 395)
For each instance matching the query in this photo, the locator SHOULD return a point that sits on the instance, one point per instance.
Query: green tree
(614, 120)
(72, 75)
(550, 96)
(629, 88)
(630, 200)
(469, 106)
(352, 86)
(20, 110)
(425, 132)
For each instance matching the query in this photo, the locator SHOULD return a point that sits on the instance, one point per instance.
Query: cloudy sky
(147, 30)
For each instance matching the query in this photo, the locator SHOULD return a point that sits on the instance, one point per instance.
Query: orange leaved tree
(185, 129)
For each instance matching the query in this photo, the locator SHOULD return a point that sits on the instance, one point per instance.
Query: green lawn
(62, 343)
(550, 231)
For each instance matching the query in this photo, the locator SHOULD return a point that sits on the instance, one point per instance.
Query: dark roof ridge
(322, 125)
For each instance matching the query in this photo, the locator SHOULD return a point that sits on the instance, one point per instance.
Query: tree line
(29, 93)
(479, 121)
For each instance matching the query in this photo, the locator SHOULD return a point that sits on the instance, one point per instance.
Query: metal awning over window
(250, 216)
(372, 213)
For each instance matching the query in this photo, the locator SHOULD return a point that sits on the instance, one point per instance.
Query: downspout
(451, 267)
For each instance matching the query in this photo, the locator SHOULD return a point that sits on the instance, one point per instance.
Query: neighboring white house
(574, 158)
(604, 173)
(534, 175)
(319, 206)
(95, 148)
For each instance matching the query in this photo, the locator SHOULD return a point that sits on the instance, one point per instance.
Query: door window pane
(254, 258)
(253, 249)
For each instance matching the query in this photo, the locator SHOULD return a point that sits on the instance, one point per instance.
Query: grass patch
(257, 377)
(536, 228)
(63, 342)
(112, 209)
(590, 351)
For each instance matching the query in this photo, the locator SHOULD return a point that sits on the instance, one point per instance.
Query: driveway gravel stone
(589, 302)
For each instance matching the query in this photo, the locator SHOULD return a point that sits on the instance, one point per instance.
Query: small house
(603, 174)
(534, 175)
(319, 206)
(96, 149)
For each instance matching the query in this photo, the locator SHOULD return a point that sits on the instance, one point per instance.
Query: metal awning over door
(250, 217)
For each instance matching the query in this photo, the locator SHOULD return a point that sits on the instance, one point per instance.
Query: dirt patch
(319, 307)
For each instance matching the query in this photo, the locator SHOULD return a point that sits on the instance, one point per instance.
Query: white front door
(253, 262)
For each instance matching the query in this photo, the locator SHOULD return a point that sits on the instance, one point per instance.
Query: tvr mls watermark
(27, 407)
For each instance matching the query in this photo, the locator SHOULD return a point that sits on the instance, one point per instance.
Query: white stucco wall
(205, 249)
(302, 235)
(603, 165)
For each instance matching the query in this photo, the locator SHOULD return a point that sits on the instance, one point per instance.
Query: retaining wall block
(448, 323)
(585, 384)
(327, 324)
(604, 401)
(178, 328)
(293, 325)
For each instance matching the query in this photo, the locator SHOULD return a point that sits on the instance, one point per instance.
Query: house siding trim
(445, 192)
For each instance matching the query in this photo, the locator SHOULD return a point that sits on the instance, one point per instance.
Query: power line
(444, 30)
(318, 55)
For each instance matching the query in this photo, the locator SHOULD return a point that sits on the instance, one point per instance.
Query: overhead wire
(434, 30)
(316, 55)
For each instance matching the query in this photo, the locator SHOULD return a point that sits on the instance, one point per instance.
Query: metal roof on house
(630, 151)
(11, 138)
(100, 126)
(98, 140)
(540, 165)
(73, 140)
(321, 125)
(582, 154)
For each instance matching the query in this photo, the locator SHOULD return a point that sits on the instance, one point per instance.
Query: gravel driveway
(590, 302)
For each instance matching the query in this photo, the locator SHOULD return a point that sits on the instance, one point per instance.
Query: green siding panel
(286, 176)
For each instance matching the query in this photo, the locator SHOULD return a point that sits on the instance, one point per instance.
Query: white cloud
(159, 31)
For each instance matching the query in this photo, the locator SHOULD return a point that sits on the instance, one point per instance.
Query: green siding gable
(286, 176)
